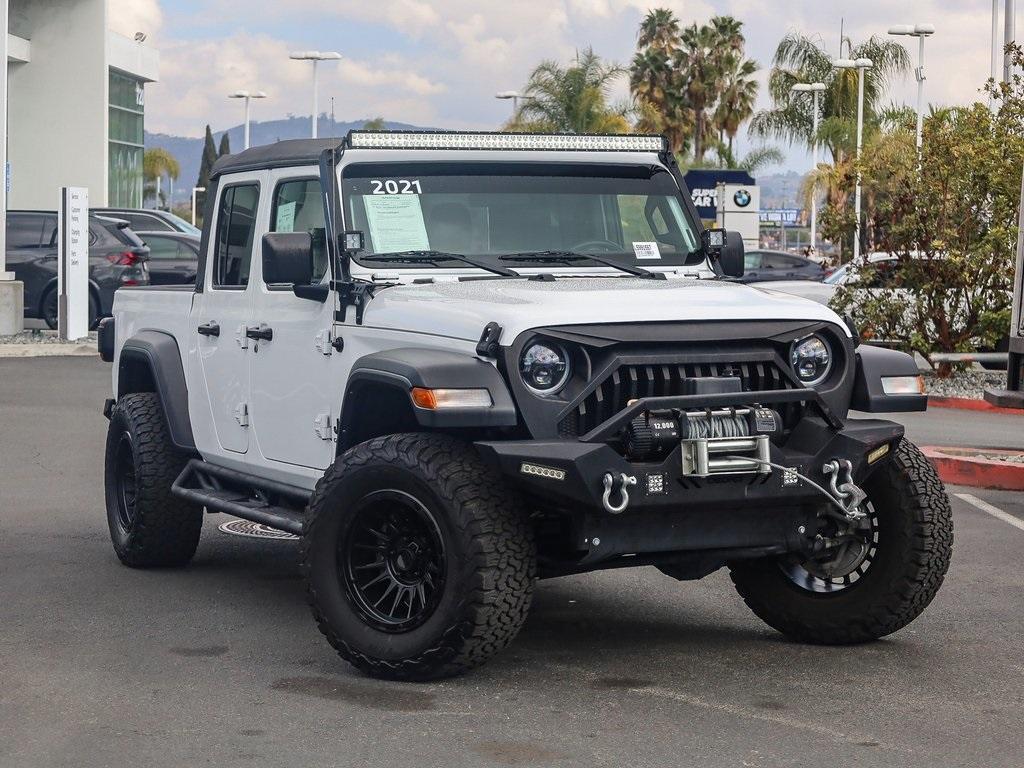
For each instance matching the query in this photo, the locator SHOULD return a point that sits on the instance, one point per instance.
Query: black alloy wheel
(125, 482)
(392, 561)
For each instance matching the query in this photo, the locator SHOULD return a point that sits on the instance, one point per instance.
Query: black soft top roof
(279, 155)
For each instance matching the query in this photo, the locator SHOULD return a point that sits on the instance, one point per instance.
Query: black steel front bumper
(579, 467)
(670, 512)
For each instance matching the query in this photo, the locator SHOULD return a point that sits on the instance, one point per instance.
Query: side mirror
(288, 261)
(731, 257)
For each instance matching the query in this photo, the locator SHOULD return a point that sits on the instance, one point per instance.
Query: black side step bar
(220, 489)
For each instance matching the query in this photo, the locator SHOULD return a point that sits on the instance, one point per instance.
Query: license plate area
(706, 456)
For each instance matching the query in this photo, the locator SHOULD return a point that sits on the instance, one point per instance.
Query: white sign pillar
(12, 308)
(73, 263)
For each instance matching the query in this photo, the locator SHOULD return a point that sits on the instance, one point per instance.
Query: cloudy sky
(439, 63)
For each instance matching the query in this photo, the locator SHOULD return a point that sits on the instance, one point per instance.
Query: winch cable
(790, 470)
(717, 425)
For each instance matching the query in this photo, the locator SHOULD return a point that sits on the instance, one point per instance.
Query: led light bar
(504, 141)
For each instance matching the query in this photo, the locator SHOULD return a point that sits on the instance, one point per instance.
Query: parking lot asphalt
(220, 663)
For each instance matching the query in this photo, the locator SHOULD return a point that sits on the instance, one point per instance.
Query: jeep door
(292, 384)
(223, 308)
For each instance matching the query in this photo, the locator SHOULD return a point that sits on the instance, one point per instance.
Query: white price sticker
(648, 251)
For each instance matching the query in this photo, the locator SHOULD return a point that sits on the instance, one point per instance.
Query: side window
(752, 260)
(236, 226)
(24, 231)
(298, 207)
(162, 248)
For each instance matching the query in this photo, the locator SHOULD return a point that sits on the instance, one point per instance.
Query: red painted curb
(959, 469)
(968, 404)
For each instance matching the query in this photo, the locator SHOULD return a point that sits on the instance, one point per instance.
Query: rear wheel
(148, 526)
(879, 579)
(50, 309)
(419, 562)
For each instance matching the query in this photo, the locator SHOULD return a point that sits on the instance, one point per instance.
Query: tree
(571, 99)
(225, 145)
(157, 163)
(951, 223)
(692, 84)
(799, 59)
(654, 81)
(206, 162)
(376, 124)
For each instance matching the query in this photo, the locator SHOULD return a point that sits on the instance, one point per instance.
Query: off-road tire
(489, 551)
(48, 309)
(163, 530)
(915, 529)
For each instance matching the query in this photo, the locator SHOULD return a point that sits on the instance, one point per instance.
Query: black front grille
(632, 381)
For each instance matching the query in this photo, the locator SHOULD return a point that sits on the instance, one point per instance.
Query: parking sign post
(73, 264)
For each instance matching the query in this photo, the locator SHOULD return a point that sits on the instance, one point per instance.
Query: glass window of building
(125, 136)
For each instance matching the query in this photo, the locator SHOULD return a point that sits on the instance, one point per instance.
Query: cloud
(188, 96)
(130, 16)
(440, 63)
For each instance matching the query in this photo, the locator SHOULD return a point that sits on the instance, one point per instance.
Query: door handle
(208, 329)
(261, 332)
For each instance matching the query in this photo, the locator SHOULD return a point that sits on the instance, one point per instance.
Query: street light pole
(315, 57)
(815, 89)
(194, 190)
(920, 31)
(247, 95)
(861, 65)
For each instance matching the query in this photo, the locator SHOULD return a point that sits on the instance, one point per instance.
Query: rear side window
(236, 227)
(162, 248)
(142, 222)
(24, 230)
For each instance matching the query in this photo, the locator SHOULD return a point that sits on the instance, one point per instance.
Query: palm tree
(736, 103)
(701, 61)
(656, 83)
(799, 59)
(571, 99)
(659, 31)
(157, 163)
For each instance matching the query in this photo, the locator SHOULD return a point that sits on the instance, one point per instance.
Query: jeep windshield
(631, 215)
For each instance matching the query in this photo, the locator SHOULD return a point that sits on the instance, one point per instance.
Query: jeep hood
(461, 309)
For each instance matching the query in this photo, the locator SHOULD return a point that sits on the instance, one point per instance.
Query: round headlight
(544, 367)
(811, 359)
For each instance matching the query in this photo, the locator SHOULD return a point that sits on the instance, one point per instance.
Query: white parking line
(996, 512)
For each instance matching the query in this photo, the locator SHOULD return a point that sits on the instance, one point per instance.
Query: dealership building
(75, 108)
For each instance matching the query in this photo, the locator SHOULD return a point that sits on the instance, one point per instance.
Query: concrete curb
(969, 404)
(958, 467)
(76, 349)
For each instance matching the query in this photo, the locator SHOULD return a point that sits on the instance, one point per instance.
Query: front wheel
(419, 562)
(879, 580)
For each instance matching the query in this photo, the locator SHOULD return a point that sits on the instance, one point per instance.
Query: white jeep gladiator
(454, 363)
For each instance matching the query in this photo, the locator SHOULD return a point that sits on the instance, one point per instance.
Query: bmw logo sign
(741, 198)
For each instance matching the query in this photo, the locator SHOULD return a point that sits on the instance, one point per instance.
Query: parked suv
(150, 220)
(117, 258)
(454, 363)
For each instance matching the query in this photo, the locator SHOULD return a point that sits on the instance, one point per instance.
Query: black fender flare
(872, 364)
(405, 368)
(150, 361)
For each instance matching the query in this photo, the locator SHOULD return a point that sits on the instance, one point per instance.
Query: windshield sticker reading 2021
(646, 250)
(396, 223)
(396, 187)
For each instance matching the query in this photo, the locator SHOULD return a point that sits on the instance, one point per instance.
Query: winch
(713, 441)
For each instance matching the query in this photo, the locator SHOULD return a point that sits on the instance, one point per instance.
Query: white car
(454, 363)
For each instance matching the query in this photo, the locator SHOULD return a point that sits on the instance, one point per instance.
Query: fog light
(903, 385)
(441, 399)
